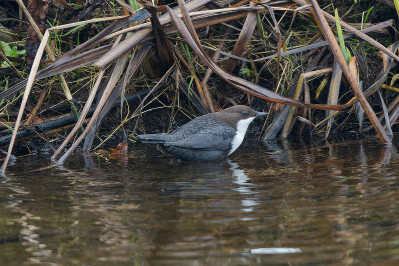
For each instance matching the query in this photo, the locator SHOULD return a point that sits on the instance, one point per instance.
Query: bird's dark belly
(199, 155)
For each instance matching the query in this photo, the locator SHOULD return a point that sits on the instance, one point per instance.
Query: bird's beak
(259, 114)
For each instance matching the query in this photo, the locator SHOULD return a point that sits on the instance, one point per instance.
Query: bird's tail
(154, 138)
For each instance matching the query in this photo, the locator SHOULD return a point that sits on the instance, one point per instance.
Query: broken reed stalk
(82, 115)
(349, 28)
(349, 76)
(385, 24)
(138, 37)
(50, 53)
(361, 35)
(237, 82)
(86, 108)
(333, 93)
(31, 79)
(116, 73)
(301, 83)
(28, 88)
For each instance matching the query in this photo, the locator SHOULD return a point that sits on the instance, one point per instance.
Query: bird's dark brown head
(236, 113)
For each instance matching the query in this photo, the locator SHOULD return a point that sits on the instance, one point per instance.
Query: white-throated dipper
(209, 137)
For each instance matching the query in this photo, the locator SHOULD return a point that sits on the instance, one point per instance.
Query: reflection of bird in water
(209, 137)
(244, 186)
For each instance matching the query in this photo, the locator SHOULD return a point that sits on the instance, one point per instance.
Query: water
(274, 204)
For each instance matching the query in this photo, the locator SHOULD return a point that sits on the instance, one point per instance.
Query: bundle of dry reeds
(290, 54)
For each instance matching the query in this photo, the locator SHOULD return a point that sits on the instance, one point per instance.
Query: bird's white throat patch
(242, 127)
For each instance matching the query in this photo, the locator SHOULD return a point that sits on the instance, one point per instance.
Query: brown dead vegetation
(281, 56)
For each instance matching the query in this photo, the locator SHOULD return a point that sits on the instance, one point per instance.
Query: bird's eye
(244, 113)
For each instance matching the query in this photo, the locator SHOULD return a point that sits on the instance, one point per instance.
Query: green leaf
(348, 53)
(341, 37)
(6, 48)
(11, 52)
(4, 65)
(245, 71)
(14, 52)
(73, 30)
(366, 17)
(396, 2)
(133, 3)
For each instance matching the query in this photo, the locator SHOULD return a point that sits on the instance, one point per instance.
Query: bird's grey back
(205, 122)
(206, 130)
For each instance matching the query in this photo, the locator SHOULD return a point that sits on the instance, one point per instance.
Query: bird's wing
(216, 137)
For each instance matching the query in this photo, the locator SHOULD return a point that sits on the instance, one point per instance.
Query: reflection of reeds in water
(34, 249)
(315, 198)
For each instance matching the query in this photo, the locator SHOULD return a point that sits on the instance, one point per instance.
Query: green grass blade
(341, 37)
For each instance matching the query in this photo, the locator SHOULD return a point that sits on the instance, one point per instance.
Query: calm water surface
(270, 204)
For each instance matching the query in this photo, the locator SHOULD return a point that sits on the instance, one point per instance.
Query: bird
(208, 137)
